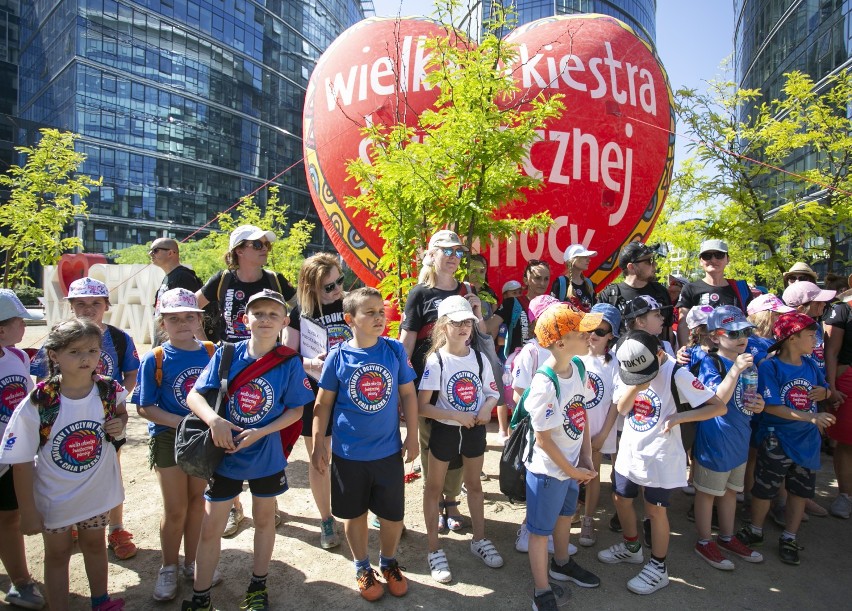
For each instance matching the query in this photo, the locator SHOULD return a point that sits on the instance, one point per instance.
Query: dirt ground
(303, 574)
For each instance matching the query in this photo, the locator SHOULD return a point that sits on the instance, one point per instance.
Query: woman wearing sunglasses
(437, 282)
(319, 314)
(800, 272)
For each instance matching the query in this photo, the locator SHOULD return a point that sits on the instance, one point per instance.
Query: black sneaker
(789, 551)
(749, 538)
(615, 524)
(646, 531)
(573, 572)
(545, 602)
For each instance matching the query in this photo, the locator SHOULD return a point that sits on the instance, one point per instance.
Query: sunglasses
(799, 279)
(649, 261)
(601, 332)
(461, 323)
(739, 334)
(713, 254)
(153, 250)
(449, 252)
(329, 288)
(258, 244)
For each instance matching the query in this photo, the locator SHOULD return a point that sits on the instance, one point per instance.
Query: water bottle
(749, 378)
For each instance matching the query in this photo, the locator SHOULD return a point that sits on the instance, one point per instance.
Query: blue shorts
(549, 498)
(629, 489)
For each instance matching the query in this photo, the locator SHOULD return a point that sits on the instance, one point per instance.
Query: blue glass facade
(641, 15)
(9, 46)
(182, 106)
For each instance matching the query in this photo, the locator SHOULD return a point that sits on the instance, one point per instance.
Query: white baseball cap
(578, 250)
(244, 233)
(11, 307)
(511, 285)
(87, 287)
(456, 308)
(178, 300)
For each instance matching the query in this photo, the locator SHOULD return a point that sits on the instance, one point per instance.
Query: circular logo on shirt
(239, 295)
(646, 411)
(183, 383)
(370, 387)
(106, 366)
(596, 385)
(78, 446)
(251, 402)
(463, 390)
(574, 417)
(337, 333)
(13, 390)
(739, 399)
(795, 395)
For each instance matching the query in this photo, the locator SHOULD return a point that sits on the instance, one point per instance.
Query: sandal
(442, 521)
(455, 522)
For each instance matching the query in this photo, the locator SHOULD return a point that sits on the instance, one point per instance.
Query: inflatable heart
(72, 267)
(606, 163)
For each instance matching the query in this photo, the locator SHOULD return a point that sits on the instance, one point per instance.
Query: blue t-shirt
(696, 355)
(110, 365)
(365, 420)
(721, 443)
(789, 385)
(254, 405)
(758, 347)
(181, 369)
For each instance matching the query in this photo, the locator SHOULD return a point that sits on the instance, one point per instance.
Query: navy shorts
(221, 488)
(448, 442)
(629, 489)
(773, 467)
(548, 499)
(361, 485)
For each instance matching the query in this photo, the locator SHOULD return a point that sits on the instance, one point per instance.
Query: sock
(115, 527)
(539, 592)
(703, 541)
(201, 599)
(362, 565)
(754, 529)
(386, 562)
(257, 583)
(788, 536)
(660, 563)
(99, 600)
(632, 544)
(725, 538)
(562, 561)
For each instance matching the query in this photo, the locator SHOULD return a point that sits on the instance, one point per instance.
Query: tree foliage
(45, 196)
(769, 219)
(460, 167)
(206, 255)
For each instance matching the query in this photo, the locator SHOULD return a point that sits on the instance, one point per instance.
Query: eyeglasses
(713, 254)
(462, 323)
(799, 279)
(601, 332)
(449, 252)
(258, 244)
(649, 261)
(329, 288)
(739, 334)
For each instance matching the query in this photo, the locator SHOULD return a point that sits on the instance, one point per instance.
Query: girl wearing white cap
(574, 287)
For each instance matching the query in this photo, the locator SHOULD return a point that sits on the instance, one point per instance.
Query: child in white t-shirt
(646, 314)
(651, 453)
(76, 480)
(561, 455)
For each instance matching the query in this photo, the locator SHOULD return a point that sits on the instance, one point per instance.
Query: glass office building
(9, 46)
(182, 106)
(641, 15)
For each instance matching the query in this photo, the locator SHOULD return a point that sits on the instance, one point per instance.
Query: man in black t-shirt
(639, 264)
(165, 254)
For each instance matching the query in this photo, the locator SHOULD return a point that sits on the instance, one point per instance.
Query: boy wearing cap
(807, 298)
(651, 452)
(255, 410)
(763, 311)
(646, 314)
(562, 454)
(722, 443)
(15, 384)
(574, 287)
(789, 432)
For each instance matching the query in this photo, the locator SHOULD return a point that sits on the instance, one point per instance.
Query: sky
(693, 39)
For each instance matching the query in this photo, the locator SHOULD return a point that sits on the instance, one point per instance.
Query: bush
(29, 294)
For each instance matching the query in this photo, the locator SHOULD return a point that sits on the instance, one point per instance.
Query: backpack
(46, 399)
(517, 309)
(520, 413)
(687, 429)
(159, 355)
(717, 363)
(741, 290)
(561, 287)
(119, 342)
(214, 320)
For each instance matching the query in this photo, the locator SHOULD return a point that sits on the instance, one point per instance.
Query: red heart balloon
(72, 267)
(606, 163)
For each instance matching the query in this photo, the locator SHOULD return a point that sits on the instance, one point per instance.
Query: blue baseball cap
(610, 314)
(728, 318)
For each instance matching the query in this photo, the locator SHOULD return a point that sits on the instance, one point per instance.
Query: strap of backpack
(119, 342)
(224, 283)
(741, 289)
(546, 370)
(272, 278)
(675, 393)
(108, 391)
(561, 288)
(158, 361)
(224, 368)
(434, 399)
(210, 347)
(581, 367)
(268, 361)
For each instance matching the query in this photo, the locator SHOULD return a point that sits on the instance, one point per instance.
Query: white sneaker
(649, 580)
(841, 507)
(619, 553)
(489, 554)
(166, 588)
(189, 574)
(522, 543)
(235, 516)
(587, 532)
(689, 490)
(439, 567)
(25, 596)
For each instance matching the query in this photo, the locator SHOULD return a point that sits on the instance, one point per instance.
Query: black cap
(632, 252)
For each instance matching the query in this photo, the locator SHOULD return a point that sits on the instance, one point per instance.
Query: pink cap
(540, 304)
(767, 302)
(802, 292)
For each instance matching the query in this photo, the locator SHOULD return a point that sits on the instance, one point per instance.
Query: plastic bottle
(749, 378)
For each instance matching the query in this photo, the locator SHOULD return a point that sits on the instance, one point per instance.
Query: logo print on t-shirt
(337, 333)
(78, 446)
(739, 399)
(795, 395)
(13, 390)
(251, 402)
(106, 366)
(574, 417)
(370, 387)
(646, 411)
(697, 385)
(596, 386)
(463, 390)
(819, 356)
(183, 383)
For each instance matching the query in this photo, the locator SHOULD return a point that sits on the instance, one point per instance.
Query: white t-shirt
(603, 377)
(76, 473)
(566, 419)
(15, 383)
(528, 360)
(459, 385)
(646, 455)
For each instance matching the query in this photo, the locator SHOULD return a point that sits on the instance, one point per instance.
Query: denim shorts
(549, 498)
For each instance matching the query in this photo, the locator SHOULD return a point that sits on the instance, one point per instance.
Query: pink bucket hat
(540, 304)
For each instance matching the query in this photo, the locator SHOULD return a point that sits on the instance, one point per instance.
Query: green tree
(45, 196)
(206, 255)
(460, 167)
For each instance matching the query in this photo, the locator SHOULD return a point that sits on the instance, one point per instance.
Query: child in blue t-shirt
(364, 383)
(256, 411)
(721, 443)
(789, 430)
(167, 375)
